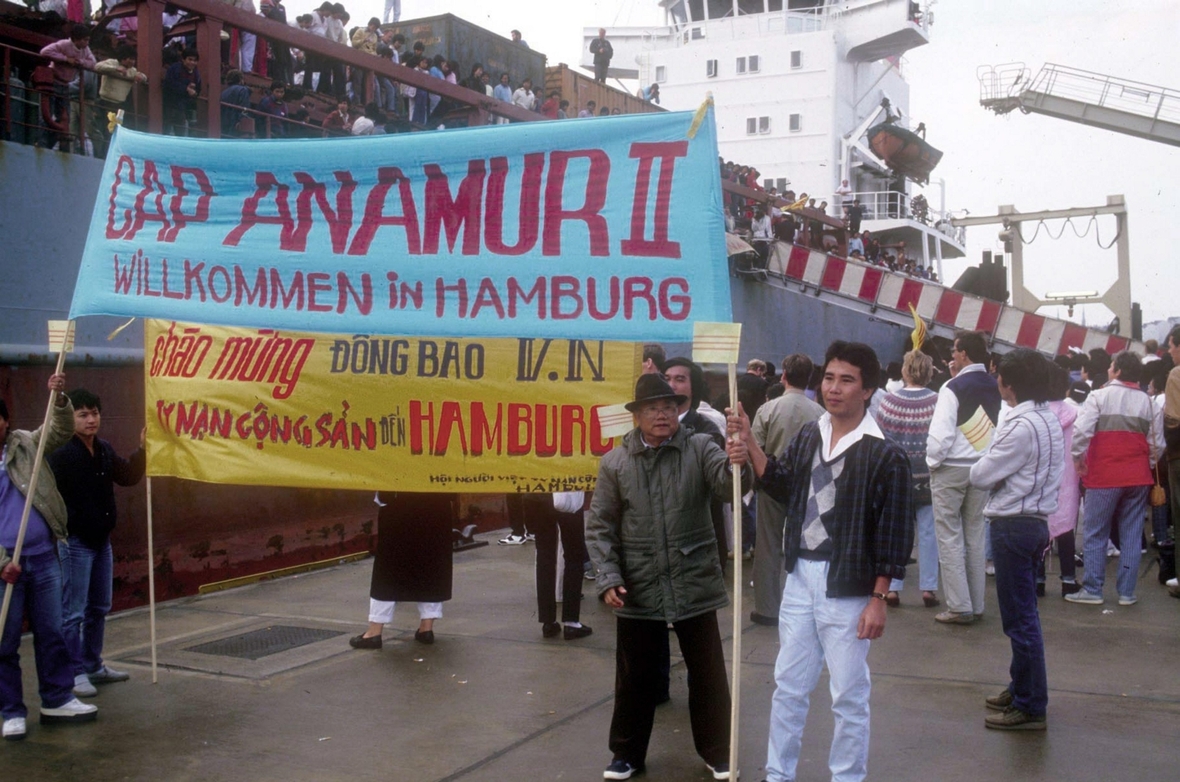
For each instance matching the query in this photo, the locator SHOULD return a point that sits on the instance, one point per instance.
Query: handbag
(1158, 497)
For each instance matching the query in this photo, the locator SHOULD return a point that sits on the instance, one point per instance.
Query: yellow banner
(268, 408)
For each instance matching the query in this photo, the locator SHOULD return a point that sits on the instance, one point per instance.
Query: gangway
(1120, 105)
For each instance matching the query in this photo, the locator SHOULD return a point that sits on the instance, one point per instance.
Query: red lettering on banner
(387, 177)
(638, 288)
(682, 301)
(555, 214)
(450, 418)
(316, 284)
(566, 288)
(363, 300)
(114, 232)
(151, 184)
(200, 213)
(520, 429)
(529, 217)
(264, 183)
(487, 296)
(440, 293)
(164, 283)
(339, 220)
(242, 288)
(515, 293)
(592, 299)
(462, 212)
(659, 246)
(483, 433)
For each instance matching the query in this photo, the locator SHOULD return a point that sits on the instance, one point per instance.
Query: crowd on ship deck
(268, 89)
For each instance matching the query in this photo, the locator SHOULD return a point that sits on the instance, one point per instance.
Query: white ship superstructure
(796, 85)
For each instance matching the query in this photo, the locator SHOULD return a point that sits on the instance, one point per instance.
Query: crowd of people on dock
(982, 463)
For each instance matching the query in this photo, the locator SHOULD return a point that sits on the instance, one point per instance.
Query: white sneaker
(1085, 598)
(1112, 552)
(83, 687)
(14, 729)
(72, 710)
(989, 569)
(1172, 583)
(512, 540)
(1128, 601)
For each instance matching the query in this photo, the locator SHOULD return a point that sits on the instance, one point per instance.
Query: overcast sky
(1029, 161)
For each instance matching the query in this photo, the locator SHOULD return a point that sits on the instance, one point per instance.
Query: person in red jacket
(1116, 442)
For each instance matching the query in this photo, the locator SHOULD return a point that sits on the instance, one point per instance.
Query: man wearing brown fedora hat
(650, 537)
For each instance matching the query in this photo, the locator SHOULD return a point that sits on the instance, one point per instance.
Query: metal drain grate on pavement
(257, 644)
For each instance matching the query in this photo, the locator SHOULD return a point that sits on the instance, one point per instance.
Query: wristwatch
(879, 595)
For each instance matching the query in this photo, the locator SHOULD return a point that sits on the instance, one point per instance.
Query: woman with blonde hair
(904, 417)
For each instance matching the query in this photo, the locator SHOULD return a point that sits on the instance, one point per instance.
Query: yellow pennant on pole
(918, 335)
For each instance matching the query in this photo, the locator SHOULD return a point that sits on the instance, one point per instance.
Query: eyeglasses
(665, 410)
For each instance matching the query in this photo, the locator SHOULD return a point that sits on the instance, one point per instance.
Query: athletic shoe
(105, 675)
(1000, 702)
(1172, 583)
(621, 769)
(953, 618)
(720, 770)
(989, 569)
(1084, 597)
(83, 688)
(72, 710)
(1013, 718)
(14, 729)
(1112, 552)
(512, 540)
(1128, 600)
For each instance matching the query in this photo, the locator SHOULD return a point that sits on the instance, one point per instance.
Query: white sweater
(1024, 463)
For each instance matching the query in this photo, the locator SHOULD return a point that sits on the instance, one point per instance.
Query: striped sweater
(904, 417)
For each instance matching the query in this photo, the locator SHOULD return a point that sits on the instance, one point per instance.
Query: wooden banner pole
(151, 580)
(736, 689)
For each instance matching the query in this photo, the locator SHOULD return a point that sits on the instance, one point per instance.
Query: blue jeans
(1018, 545)
(36, 596)
(86, 601)
(1127, 506)
(927, 553)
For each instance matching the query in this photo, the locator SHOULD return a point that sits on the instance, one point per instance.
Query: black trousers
(638, 682)
(573, 541)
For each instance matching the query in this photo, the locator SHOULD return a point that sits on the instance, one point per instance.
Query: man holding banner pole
(31, 571)
(650, 537)
(849, 530)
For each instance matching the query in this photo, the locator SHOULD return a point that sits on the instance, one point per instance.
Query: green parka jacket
(650, 529)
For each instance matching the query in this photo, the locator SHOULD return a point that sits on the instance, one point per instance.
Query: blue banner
(601, 228)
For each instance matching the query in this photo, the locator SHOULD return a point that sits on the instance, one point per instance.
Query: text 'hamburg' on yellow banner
(275, 408)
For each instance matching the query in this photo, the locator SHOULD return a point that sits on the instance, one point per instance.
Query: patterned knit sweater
(904, 418)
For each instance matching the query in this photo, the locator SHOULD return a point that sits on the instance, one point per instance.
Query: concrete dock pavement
(492, 700)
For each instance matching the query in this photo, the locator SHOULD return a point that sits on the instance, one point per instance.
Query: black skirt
(413, 559)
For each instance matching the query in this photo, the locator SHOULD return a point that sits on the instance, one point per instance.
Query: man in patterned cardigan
(849, 530)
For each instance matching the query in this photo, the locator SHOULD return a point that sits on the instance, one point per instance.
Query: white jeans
(814, 629)
(393, 8)
(246, 46)
(381, 611)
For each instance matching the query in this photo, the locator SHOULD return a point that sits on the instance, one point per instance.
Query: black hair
(696, 375)
(124, 52)
(775, 391)
(1058, 383)
(418, 45)
(1099, 360)
(278, 84)
(438, 60)
(1173, 337)
(751, 391)
(78, 32)
(1156, 372)
(233, 77)
(1063, 362)
(80, 398)
(797, 369)
(189, 52)
(974, 344)
(399, 38)
(3, 410)
(375, 21)
(893, 370)
(654, 352)
(860, 356)
(1026, 372)
(1129, 365)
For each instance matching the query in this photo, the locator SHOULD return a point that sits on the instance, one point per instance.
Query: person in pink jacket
(1064, 520)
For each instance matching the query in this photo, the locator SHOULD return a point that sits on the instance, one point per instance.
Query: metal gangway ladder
(1120, 105)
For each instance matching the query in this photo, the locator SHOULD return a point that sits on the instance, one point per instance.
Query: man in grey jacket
(35, 579)
(650, 537)
(1022, 469)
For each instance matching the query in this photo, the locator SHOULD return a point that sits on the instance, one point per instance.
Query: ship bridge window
(661, 73)
(796, 123)
(796, 58)
(751, 7)
(764, 124)
(741, 64)
(710, 68)
(696, 10)
(774, 5)
(756, 125)
(748, 64)
(753, 63)
(720, 9)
